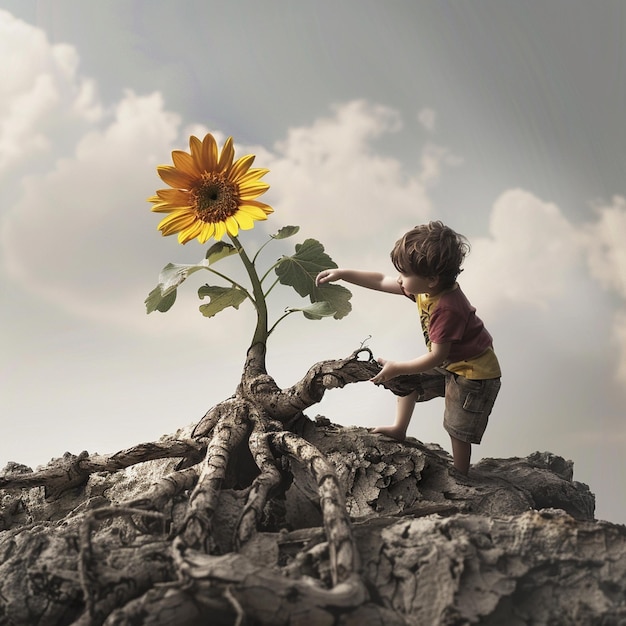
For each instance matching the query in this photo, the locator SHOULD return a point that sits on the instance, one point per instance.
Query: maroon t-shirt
(449, 317)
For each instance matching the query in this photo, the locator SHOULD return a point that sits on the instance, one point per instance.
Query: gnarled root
(342, 550)
(227, 434)
(191, 582)
(73, 471)
(265, 593)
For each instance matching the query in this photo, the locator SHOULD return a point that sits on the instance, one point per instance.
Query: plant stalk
(260, 332)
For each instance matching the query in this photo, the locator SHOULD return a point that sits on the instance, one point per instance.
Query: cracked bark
(261, 516)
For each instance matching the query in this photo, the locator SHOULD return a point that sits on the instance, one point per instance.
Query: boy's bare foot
(391, 431)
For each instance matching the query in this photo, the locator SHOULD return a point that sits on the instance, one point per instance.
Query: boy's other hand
(327, 276)
(390, 370)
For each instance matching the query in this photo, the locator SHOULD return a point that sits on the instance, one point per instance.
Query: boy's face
(413, 284)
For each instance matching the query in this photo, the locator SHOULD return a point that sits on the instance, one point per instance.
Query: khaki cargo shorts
(468, 402)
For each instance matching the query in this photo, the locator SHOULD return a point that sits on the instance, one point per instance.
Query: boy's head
(431, 251)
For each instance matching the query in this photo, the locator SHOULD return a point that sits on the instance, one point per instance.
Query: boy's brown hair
(431, 250)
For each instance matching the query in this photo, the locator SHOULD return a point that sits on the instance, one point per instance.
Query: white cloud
(536, 260)
(40, 91)
(531, 252)
(81, 235)
(606, 249)
(73, 217)
(330, 179)
(606, 256)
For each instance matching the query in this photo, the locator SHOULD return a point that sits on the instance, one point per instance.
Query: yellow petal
(189, 233)
(208, 230)
(209, 153)
(167, 208)
(253, 211)
(245, 220)
(174, 196)
(251, 190)
(180, 213)
(220, 230)
(166, 202)
(254, 174)
(184, 162)
(175, 221)
(174, 177)
(240, 167)
(195, 145)
(266, 208)
(231, 226)
(226, 158)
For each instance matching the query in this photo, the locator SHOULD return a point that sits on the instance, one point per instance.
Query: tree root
(195, 581)
(72, 471)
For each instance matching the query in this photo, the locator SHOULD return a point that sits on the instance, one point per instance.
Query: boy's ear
(433, 281)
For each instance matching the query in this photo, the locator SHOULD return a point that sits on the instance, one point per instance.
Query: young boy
(460, 364)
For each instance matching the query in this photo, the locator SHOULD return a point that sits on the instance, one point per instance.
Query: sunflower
(210, 194)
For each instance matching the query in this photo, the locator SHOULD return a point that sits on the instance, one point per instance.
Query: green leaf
(220, 299)
(300, 270)
(219, 250)
(170, 278)
(286, 231)
(315, 311)
(336, 296)
(174, 274)
(156, 301)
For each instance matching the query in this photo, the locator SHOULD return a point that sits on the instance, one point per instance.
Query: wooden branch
(73, 471)
(282, 405)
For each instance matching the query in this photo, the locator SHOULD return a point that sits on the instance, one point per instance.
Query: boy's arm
(436, 357)
(362, 278)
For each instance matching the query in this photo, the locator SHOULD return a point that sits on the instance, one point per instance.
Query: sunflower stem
(260, 332)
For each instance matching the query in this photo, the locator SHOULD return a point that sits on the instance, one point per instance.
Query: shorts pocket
(474, 403)
(471, 394)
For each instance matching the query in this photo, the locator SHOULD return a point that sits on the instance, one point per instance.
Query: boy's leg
(404, 411)
(468, 406)
(462, 454)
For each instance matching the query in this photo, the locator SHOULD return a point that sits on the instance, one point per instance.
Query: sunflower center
(215, 197)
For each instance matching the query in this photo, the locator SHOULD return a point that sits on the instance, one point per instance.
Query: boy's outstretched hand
(328, 276)
(390, 370)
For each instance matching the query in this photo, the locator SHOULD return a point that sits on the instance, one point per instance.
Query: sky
(503, 119)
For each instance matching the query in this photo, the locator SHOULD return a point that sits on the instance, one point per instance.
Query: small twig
(241, 616)
(364, 342)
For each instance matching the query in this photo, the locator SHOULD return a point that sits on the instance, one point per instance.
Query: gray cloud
(84, 366)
